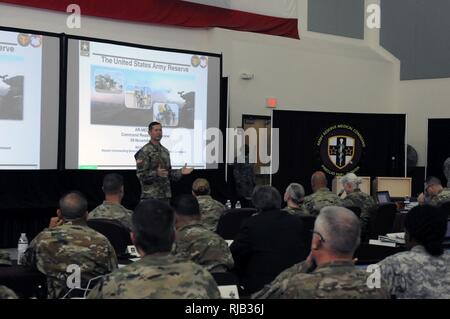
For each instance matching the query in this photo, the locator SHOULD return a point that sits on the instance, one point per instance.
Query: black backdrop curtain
(299, 133)
(438, 147)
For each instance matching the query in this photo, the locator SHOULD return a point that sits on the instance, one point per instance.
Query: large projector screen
(116, 90)
(29, 100)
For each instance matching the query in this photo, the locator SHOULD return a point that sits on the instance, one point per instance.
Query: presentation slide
(29, 100)
(115, 91)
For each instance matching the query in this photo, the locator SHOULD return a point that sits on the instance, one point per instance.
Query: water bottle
(21, 247)
(228, 204)
(238, 204)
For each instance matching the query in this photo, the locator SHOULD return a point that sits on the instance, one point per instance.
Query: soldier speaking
(153, 167)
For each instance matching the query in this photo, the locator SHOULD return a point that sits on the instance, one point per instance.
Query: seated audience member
(6, 293)
(434, 193)
(193, 241)
(294, 196)
(111, 207)
(424, 270)
(329, 271)
(321, 196)
(268, 242)
(356, 198)
(210, 209)
(158, 275)
(73, 242)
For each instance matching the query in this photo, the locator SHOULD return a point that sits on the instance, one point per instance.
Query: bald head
(318, 180)
(73, 206)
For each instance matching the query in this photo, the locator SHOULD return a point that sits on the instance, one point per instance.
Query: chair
(117, 234)
(383, 221)
(231, 220)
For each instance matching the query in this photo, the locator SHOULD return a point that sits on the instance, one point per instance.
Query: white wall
(319, 72)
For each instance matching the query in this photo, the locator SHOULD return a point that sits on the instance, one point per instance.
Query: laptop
(383, 197)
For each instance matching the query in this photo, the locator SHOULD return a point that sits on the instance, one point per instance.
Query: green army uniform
(296, 211)
(211, 210)
(321, 198)
(203, 247)
(442, 197)
(113, 212)
(335, 280)
(54, 249)
(148, 159)
(158, 277)
(363, 201)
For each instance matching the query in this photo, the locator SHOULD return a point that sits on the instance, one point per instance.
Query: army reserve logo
(340, 148)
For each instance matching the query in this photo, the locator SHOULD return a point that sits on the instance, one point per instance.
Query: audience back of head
(112, 184)
(73, 206)
(266, 198)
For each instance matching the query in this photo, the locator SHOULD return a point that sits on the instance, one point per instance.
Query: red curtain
(175, 13)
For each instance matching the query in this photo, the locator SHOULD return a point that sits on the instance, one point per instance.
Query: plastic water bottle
(238, 204)
(21, 247)
(228, 204)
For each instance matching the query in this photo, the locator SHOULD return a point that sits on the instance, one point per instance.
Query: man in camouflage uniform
(423, 272)
(111, 207)
(158, 275)
(321, 196)
(153, 167)
(210, 209)
(5, 259)
(356, 198)
(73, 242)
(294, 196)
(6, 293)
(195, 242)
(329, 271)
(435, 194)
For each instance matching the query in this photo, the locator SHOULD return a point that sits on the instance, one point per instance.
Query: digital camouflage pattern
(336, 280)
(6, 293)
(158, 277)
(415, 274)
(203, 247)
(113, 212)
(442, 197)
(211, 210)
(322, 197)
(363, 201)
(55, 248)
(148, 159)
(297, 211)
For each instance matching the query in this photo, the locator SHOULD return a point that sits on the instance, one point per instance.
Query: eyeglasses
(319, 234)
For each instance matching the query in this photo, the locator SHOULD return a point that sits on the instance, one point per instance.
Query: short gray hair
(351, 179)
(266, 197)
(340, 228)
(296, 192)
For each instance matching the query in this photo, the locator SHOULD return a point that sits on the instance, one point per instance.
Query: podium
(364, 186)
(396, 186)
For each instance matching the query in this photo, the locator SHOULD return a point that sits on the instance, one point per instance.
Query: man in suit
(267, 242)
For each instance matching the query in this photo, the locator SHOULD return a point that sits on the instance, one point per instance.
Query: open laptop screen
(383, 197)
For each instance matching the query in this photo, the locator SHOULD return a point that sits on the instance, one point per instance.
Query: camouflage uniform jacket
(296, 211)
(148, 159)
(211, 211)
(158, 277)
(321, 198)
(442, 197)
(416, 274)
(336, 280)
(203, 247)
(363, 201)
(55, 248)
(113, 212)
(6, 293)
